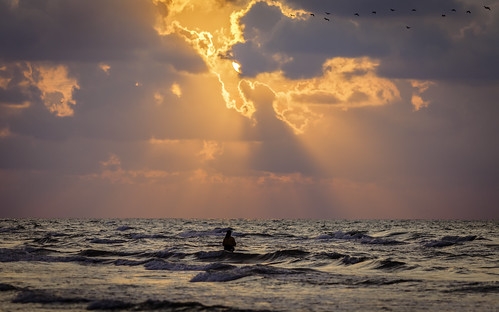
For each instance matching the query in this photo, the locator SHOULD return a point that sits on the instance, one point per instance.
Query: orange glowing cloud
(345, 82)
(419, 87)
(56, 87)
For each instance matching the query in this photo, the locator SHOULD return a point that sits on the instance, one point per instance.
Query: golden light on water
(236, 66)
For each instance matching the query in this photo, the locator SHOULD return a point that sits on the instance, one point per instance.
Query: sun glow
(237, 66)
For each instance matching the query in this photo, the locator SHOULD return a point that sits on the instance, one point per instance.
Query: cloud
(420, 87)
(210, 150)
(458, 47)
(105, 67)
(56, 88)
(176, 89)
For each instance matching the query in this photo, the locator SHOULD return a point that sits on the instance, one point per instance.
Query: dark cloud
(460, 46)
(88, 31)
(365, 8)
(75, 30)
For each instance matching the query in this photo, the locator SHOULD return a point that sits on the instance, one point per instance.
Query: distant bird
(327, 13)
(486, 7)
(393, 10)
(373, 12)
(408, 27)
(356, 14)
(292, 15)
(443, 15)
(468, 12)
(312, 14)
(453, 10)
(327, 19)
(413, 10)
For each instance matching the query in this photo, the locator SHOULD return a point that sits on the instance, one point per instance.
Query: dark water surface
(279, 265)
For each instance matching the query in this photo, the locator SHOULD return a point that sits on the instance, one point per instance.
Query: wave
(348, 260)
(124, 228)
(165, 254)
(390, 265)
(40, 254)
(361, 237)
(48, 239)
(214, 232)
(104, 253)
(250, 257)
(477, 287)
(142, 236)
(450, 240)
(161, 305)
(45, 297)
(240, 272)
(177, 266)
(14, 229)
(385, 281)
(7, 287)
(38, 296)
(128, 262)
(106, 241)
(330, 255)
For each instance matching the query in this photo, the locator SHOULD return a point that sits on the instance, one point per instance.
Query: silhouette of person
(229, 241)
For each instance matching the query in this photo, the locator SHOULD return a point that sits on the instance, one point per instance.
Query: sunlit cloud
(105, 68)
(153, 140)
(56, 87)
(175, 89)
(214, 46)
(345, 83)
(419, 88)
(210, 150)
(111, 170)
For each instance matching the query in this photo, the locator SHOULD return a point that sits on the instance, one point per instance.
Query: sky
(339, 109)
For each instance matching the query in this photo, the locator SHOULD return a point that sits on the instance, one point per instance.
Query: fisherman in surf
(229, 241)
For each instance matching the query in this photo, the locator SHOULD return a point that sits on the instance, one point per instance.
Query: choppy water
(279, 265)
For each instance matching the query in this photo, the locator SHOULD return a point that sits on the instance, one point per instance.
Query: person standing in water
(229, 242)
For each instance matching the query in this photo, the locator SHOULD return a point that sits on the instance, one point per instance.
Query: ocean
(278, 265)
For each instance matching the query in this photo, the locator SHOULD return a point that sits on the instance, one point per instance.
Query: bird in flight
(408, 27)
(468, 12)
(356, 14)
(393, 10)
(327, 13)
(453, 10)
(327, 19)
(373, 12)
(312, 14)
(486, 7)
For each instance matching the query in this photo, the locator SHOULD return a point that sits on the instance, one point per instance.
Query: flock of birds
(327, 17)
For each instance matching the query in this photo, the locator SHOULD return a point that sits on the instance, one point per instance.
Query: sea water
(278, 265)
